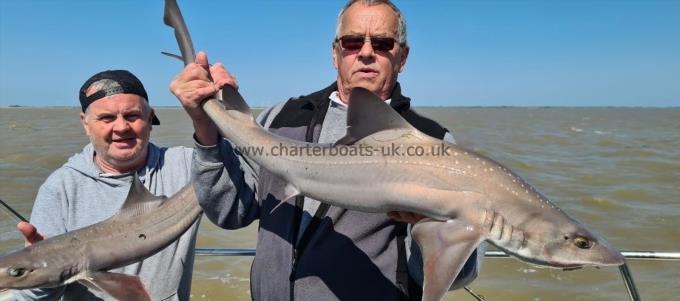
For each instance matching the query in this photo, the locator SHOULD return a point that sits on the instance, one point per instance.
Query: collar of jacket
(319, 99)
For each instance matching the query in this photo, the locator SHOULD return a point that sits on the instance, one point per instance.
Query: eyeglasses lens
(382, 44)
(354, 43)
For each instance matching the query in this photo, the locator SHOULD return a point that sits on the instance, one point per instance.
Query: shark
(467, 197)
(144, 225)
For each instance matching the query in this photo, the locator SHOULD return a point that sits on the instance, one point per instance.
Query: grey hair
(401, 21)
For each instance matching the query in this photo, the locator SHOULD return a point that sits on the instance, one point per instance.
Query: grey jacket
(78, 194)
(308, 251)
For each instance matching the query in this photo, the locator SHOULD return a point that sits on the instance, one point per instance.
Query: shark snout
(613, 258)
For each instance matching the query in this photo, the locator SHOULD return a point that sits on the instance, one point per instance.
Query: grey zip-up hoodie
(79, 194)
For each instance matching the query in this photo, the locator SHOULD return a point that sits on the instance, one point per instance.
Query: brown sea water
(615, 169)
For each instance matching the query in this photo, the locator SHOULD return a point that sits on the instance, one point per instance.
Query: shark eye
(17, 272)
(582, 242)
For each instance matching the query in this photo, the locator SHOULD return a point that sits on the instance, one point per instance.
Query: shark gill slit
(504, 233)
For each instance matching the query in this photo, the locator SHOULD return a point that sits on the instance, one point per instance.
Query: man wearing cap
(92, 185)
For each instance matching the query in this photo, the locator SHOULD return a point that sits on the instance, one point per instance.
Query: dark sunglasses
(355, 42)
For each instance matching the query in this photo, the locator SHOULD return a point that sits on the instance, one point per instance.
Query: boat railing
(631, 289)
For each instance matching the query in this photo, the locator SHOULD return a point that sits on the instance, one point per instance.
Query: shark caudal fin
(445, 246)
(173, 18)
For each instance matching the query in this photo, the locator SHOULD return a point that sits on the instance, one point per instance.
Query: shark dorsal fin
(232, 100)
(139, 195)
(368, 114)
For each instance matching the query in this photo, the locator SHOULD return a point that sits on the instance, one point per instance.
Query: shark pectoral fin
(446, 247)
(119, 286)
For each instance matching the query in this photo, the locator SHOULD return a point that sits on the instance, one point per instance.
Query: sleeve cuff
(207, 154)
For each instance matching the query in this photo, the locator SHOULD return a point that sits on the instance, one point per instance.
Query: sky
(463, 53)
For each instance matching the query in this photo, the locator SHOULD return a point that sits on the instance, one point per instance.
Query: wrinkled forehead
(120, 102)
(378, 19)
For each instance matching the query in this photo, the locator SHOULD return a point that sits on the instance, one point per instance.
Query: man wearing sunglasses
(308, 250)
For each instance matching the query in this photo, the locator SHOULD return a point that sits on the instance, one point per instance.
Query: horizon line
(425, 106)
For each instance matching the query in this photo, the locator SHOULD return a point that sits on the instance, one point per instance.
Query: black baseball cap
(123, 82)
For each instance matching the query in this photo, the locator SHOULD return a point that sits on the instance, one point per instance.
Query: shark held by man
(144, 225)
(467, 197)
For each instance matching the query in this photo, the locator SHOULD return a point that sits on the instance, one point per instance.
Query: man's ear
(83, 121)
(151, 115)
(335, 56)
(404, 55)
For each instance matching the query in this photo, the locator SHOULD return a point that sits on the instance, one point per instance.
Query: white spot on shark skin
(490, 169)
(42, 264)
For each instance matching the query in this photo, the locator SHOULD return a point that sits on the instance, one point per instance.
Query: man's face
(119, 127)
(367, 67)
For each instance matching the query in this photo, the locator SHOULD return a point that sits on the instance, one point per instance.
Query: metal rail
(625, 272)
(637, 255)
(631, 289)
